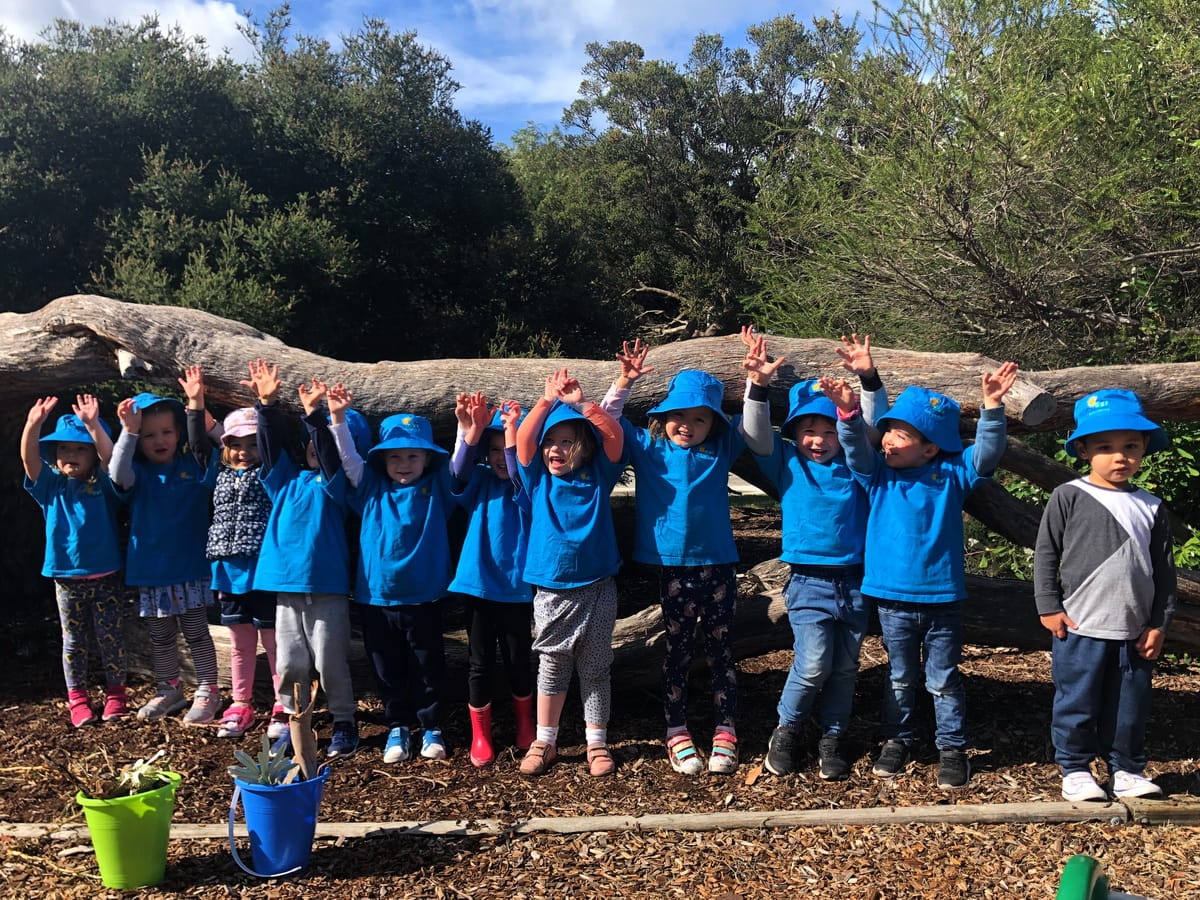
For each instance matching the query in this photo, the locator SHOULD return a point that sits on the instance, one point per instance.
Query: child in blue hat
(682, 526)
(913, 565)
(490, 566)
(311, 587)
(1104, 581)
(824, 531)
(402, 496)
(83, 554)
(169, 486)
(569, 453)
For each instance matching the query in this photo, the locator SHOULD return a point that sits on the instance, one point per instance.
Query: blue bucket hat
(71, 428)
(497, 423)
(145, 400)
(934, 415)
(689, 388)
(360, 432)
(1113, 409)
(405, 431)
(807, 399)
(561, 412)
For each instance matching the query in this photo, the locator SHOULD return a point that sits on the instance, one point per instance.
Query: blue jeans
(1101, 701)
(829, 617)
(932, 630)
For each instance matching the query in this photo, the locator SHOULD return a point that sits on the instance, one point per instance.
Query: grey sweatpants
(573, 632)
(312, 631)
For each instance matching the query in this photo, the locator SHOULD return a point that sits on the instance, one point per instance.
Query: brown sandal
(600, 761)
(538, 758)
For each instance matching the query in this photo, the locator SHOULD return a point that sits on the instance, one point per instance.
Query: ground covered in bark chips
(1009, 703)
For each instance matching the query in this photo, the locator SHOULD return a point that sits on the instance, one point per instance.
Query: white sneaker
(1078, 786)
(1131, 784)
(206, 703)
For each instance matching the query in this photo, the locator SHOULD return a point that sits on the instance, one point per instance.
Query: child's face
(816, 438)
(405, 464)
(557, 447)
(1115, 456)
(75, 459)
(159, 438)
(906, 448)
(495, 455)
(688, 427)
(243, 451)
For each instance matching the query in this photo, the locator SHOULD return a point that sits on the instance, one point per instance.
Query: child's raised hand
(131, 418)
(750, 337)
(192, 383)
(758, 365)
(40, 410)
(339, 399)
(510, 415)
(997, 384)
(856, 355)
(633, 361)
(552, 382)
(569, 389)
(263, 380)
(87, 408)
(844, 397)
(462, 410)
(312, 394)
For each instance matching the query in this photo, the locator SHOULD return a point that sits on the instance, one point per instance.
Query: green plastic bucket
(129, 834)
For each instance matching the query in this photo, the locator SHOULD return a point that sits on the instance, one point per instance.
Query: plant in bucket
(129, 820)
(280, 799)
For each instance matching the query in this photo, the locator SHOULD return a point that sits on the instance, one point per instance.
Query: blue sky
(517, 60)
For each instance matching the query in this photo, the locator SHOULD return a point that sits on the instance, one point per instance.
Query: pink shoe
(238, 719)
(81, 708)
(115, 704)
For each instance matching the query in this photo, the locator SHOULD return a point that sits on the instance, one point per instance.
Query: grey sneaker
(892, 759)
(168, 700)
(205, 705)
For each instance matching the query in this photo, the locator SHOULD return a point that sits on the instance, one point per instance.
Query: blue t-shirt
(404, 548)
(914, 549)
(233, 574)
(682, 497)
(824, 508)
(168, 527)
(304, 549)
(571, 537)
(494, 550)
(81, 523)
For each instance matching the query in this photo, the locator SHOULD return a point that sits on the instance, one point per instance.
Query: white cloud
(214, 20)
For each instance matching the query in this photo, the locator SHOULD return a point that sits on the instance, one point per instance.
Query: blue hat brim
(143, 401)
(560, 412)
(405, 443)
(1122, 421)
(685, 400)
(77, 435)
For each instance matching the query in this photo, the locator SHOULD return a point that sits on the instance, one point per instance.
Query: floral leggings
(707, 594)
(91, 604)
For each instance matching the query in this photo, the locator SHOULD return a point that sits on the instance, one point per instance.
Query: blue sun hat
(562, 412)
(145, 400)
(71, 428)
(1113, 409)
(360, 432)
(405, 431)
(807, 399)
(934, 415)
(690, 388)
(497, 423)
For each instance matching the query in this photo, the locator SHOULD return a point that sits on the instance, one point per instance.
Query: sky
(518, 61)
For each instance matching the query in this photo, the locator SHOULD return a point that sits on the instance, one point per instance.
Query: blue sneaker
(344, 740)
(282, 745)
(397, 748)
(432, 745)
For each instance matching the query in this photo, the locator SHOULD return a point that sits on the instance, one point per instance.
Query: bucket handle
(233, 805)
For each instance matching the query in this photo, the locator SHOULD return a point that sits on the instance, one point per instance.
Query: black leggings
(511, 626)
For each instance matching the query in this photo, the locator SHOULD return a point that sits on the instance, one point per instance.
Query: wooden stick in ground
(304, 739)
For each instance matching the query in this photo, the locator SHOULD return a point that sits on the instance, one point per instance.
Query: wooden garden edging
(1125, 812)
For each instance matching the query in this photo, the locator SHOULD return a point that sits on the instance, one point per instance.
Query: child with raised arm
(402, 495)
(83, 554)
(824, 530)
(570, 456)
(169, 487)
(499, 602)
(305, 559)
(241, 508)
(682, 526)
(1104, 580)
(916, 487)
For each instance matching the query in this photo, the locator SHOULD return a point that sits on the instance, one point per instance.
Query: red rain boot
(526, 726)
(481, 736)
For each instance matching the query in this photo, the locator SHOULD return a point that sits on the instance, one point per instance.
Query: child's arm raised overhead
(609, 429)
(264, 381)
(852, 430)
(990, 430)
(198, 419)
(30, 457)
(756, 412)
(530, 430)
(857, 360)
(87, 408)
(121, 467)
(633, 367)
(338, 398)
(473, 415)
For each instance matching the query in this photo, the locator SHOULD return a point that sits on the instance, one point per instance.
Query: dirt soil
(1009, 704)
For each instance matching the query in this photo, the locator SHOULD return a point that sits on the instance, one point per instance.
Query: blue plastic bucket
(281, 820)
